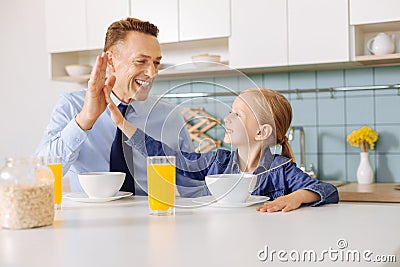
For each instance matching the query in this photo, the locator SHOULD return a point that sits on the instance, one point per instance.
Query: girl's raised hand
(116, 115)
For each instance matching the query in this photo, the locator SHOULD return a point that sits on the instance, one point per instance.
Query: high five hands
(95, 102)
(116, 116)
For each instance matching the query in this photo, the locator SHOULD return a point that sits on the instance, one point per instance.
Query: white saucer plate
(82, 197)
(210, 200)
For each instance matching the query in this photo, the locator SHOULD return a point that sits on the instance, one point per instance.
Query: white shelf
(170, 73)
(384, 59)
(362, 33)
(73, 79)
(195, 70)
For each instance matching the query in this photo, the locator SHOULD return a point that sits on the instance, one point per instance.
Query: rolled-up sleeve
(297, 179)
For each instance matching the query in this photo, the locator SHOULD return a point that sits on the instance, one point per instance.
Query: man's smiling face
(134, 62)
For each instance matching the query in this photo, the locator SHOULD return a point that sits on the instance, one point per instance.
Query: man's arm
(69, 122)
(63, 136)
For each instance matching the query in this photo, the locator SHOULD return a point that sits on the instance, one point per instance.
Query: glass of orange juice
(55, 164)
(161, 184)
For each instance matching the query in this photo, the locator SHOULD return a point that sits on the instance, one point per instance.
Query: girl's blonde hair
(270, 107)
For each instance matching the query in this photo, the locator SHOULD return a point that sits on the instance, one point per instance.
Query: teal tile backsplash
(330, 78)
(327, 118)
(304, 111)
(360, 110)
(332, 140)
(277, 81)
(302, 80)
(386, 75)
(387, 108)
(325, 114)
(359, 77)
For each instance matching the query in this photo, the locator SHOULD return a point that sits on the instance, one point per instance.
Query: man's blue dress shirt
(88, 151)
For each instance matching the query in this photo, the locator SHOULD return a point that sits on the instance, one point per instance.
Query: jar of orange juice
(26, 193)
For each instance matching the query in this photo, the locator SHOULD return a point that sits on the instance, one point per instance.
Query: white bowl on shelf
(78, 69)
(205, 60)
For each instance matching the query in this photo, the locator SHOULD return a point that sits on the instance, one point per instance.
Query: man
(80, 129)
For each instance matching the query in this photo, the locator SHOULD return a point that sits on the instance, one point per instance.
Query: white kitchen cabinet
(187, 28)
(76, 31)
(369, 18)
(373, 11)
(185, 20)
(259, 34)
(203, 19)
(318, 31)
(76, 25)
(163, 13)
(292, 32)
(100, 14)
(66, 25)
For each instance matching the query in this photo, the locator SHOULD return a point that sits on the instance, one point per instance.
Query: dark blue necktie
(120, 156)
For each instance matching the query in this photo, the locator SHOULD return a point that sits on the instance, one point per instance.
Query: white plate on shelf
(210, 200)
(82, 197)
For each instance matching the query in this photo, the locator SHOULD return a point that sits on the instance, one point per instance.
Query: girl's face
(241, 124)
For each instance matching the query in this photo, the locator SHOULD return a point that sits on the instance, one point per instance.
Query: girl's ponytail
(286, 148)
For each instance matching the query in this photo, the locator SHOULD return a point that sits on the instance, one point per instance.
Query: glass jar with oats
(26, 193)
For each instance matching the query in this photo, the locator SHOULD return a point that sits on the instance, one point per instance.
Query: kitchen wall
(27, 95)
(327, 121)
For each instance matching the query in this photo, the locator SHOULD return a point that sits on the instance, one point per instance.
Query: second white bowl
(231, 188)
(101, 184)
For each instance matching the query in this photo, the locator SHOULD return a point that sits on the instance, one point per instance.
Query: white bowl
(101, 184)
(204, 60)
(78, 69)
(231, 188)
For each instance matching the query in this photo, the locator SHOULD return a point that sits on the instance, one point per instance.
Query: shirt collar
(115, 99)
(265, 163)
(117, 102)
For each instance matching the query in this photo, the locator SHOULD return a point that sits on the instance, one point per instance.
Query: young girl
(259, 119)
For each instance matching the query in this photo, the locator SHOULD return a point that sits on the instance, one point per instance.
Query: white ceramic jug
(381, 44)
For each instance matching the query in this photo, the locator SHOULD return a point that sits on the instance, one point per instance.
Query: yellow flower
(362, 137)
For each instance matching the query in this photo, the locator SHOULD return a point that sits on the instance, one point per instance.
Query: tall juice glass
(55, 164)
(161, 184)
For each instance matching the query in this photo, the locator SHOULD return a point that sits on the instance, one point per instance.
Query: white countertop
(121, 233)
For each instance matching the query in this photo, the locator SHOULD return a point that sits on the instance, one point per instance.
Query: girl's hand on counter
(283, 203)
(290, 202)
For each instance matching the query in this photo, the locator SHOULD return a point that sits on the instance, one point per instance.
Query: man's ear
(264, 132)
(110, 61)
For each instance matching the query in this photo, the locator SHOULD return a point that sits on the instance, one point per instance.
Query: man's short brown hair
(118, 30)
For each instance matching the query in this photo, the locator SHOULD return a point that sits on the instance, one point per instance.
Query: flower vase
(365, 175)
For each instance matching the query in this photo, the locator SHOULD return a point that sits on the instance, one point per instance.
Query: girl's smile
(241, 124)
